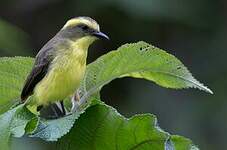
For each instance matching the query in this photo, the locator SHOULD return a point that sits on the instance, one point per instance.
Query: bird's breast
(64, 76)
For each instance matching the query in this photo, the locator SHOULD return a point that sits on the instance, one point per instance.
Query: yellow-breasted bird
(60, 65)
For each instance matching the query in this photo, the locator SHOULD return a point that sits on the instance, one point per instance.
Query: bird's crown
(91, 23)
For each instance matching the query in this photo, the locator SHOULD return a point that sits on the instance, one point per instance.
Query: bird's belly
(62, 80)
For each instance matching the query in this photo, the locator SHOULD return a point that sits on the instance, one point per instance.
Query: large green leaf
(139, 60)
(13, 72)
(101, 127)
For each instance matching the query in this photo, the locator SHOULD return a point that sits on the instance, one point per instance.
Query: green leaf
(32, 125)
(101, 127)
(20, 120)
(139, 60)
(13, 123)
(13, 72)
(51, 130)
(181, 143)
(5, 122)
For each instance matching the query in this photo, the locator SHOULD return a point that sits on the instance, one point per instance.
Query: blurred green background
(195, 31)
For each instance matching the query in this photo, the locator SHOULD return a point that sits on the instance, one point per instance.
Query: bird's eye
(83, 27)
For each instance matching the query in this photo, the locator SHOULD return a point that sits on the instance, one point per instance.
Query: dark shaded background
(193, 30)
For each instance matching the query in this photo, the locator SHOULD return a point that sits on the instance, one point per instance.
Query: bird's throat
(82, 43)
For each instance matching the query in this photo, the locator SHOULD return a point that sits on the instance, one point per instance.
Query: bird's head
(83, 28)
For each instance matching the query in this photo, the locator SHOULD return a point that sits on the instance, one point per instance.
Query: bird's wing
(38, 72)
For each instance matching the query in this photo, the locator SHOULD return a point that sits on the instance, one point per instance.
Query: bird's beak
(101, 35)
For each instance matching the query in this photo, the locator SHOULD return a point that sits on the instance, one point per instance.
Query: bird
(60, 64)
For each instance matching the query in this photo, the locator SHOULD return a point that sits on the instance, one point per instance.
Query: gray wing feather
(39, 70)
